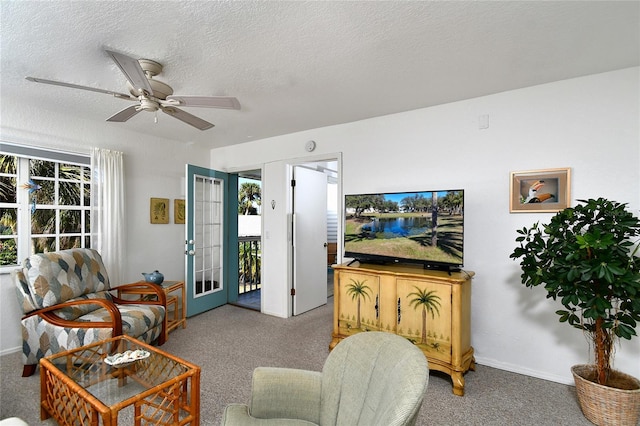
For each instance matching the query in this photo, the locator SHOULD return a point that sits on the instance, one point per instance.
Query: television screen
(424, 227)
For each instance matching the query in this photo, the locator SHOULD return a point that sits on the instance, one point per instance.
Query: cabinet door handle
(399, 310)
(377, 307)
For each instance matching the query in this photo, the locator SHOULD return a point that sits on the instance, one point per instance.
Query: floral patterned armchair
(67, 304)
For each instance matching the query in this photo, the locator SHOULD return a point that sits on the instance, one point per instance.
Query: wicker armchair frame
(111, 306)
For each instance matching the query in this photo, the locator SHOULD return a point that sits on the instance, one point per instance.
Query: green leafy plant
(586, 258)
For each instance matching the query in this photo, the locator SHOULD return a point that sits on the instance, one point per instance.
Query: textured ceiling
(301, 65)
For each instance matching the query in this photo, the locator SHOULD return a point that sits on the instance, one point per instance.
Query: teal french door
(211, 243)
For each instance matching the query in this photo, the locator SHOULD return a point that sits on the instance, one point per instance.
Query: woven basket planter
(617, 405)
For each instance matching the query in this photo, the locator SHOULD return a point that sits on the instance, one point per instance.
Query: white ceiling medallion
(310, 146)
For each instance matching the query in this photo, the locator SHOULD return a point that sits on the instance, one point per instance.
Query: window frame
(23, 203)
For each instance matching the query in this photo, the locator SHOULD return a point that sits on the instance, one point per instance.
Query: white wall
(589, 124)
(154, 167)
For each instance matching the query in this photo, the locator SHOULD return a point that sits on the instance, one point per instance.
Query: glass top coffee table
(80, 387)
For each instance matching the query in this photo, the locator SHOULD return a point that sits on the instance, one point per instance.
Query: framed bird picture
(541, 191)
(159, 210)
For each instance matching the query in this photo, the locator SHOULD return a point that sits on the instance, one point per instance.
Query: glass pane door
(207, 232)
(208, 241)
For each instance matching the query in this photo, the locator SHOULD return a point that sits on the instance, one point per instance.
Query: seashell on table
(126, 358)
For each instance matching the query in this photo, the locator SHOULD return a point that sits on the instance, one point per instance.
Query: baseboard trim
(10, 351)
(568, 380)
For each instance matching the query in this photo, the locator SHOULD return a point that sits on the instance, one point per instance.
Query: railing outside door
(249, 264)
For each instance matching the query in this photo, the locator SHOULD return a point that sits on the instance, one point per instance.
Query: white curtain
(107, 211)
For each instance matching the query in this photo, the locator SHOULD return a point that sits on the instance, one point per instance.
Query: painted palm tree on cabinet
(424, 316)
(358, 290)
(430, 302)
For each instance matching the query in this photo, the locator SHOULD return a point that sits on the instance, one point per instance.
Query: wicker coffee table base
(163, 390)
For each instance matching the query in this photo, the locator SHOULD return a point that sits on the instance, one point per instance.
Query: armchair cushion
(238, 415)
(42, 338)
(286, 393)
(53, 278)
(73, 312)
(380, 381)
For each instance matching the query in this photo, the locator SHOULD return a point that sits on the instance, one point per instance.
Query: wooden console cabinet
(430, 308)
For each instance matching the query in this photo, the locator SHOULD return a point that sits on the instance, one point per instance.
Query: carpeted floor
(229, 342)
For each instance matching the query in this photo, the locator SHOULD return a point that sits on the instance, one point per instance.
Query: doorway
(253, 297)
(249, 239)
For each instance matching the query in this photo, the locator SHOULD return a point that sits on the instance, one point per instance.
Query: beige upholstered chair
(67, 304)
(369, 379)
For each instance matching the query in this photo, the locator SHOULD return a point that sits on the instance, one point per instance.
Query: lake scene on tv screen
(418, 226)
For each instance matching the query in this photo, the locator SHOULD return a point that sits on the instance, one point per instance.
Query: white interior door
(309, 239)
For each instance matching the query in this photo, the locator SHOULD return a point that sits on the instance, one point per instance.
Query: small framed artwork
(178, 211)
(159, 210)
(544, 191)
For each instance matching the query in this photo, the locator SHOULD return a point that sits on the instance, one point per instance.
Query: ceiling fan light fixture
(148, 105)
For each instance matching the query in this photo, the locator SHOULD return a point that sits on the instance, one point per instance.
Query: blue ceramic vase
(154, 277)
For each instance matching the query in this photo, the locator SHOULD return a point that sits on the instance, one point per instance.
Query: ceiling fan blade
(76, 86)
(190, 119)
(125, 114)
(132, 70)
(204, 101)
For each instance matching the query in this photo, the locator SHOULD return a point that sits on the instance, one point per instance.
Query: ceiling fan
(152, 95)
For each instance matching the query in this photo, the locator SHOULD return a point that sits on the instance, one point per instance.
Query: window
(44, 202)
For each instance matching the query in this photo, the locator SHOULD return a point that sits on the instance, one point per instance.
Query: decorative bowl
(154, 277)
(126, 358)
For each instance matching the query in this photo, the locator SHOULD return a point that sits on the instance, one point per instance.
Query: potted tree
(586, 258)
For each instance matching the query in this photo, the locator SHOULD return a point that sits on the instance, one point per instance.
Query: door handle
(191, 252)
(326, 245)
(377, 307)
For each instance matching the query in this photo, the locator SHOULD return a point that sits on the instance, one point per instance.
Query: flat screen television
(425, 227)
